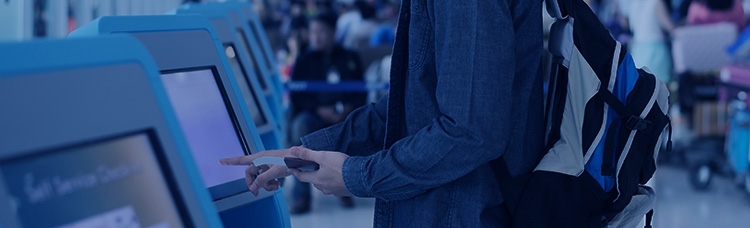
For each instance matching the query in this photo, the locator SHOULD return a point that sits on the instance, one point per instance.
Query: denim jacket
(466, 88)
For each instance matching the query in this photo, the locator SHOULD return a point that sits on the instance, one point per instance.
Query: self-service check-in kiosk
(210, 108)
(88, 139)
(255, 39)
(248, 74)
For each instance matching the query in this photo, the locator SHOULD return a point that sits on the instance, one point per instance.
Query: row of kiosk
(122, 124)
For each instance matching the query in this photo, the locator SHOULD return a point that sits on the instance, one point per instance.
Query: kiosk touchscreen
(246, 74)
(209, 106)
(90, 141)
(206, 123)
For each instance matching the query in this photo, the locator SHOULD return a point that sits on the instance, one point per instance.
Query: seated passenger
(324, 61)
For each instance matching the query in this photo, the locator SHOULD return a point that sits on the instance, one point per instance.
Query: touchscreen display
(111, 183)
(203, 116)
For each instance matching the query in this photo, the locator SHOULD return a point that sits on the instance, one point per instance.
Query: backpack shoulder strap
(553, 9)
(631, 121)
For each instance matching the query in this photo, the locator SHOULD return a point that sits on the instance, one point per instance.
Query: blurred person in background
(680, 10)
(389, 12)
(385, 34)
(297, 41)
(295, 10)
(377, 4)
(316, 7)
(325, 61)
(650, 23)
(311, 8)
(360, 35)
(614, 17)
(40, 19)
(268, 13)
(349, 19)
(714, 11)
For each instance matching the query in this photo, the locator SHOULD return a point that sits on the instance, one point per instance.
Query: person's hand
(267, 179)
(328, 179)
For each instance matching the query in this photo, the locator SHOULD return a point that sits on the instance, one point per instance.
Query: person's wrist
(352, 171)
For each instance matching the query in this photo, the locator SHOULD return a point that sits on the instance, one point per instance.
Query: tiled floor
(724, 204)
(327, 211)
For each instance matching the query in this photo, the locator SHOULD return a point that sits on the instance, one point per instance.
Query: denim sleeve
(475, 65)
(361, 134)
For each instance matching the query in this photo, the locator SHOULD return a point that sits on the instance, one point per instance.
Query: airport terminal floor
(680, 205)
(122, 113)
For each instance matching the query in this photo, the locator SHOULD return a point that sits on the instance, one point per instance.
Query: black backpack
(606, 121)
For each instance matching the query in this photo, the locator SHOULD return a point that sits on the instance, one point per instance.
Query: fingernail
(294, 151)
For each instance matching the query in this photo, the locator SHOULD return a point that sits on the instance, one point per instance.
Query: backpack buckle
(636, 123)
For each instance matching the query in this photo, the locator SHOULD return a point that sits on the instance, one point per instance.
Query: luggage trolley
(699, 52)
(734, 89)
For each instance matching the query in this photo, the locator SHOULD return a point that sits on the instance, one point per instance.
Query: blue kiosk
(209, 106)
(249, 77)
(88, 139)
(260, 33)
(253, 22)
(255, 37)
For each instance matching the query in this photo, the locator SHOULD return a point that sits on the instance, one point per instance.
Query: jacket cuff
(318, 140)
(354, 172)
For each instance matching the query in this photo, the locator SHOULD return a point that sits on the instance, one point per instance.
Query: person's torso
(470, 201)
